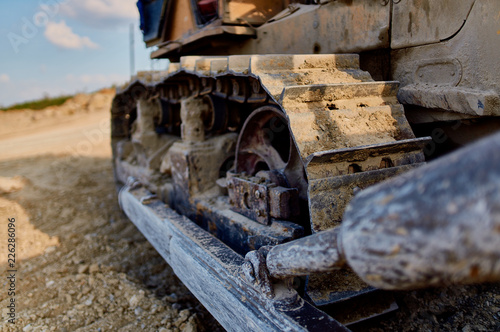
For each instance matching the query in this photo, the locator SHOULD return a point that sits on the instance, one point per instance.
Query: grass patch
(38, 104)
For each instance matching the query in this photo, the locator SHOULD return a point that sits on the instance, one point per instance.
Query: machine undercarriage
(239, 169)
(262, 150)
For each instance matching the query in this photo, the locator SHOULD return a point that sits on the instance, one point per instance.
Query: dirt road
(80, 265)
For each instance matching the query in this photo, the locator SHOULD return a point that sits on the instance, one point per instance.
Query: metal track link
(328, 101)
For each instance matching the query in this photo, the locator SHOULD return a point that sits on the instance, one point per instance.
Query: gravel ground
(90, 269)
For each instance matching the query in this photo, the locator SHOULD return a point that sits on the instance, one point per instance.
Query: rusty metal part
(256, 272)
(264, 142)
(333, 116)
(196, 167)
(250, 199)
(148, 147)
(448, 209)
(215, 119)
(261, 200)
(363, 307)
(311, 254)
(242, 234)
(123, 109)
(223, 88)
(341, 285)
(336, 176)
(207, 267)
(366, 158)
(207, 85)
(194, 111)
(436, 225)
(284, 203)
(170, 118)
(258, 94)
(328, 197)
(240, 90)
(273, 143)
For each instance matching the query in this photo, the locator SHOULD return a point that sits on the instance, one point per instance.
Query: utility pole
(132, 51)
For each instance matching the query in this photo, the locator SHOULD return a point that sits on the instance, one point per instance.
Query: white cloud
(101, 12)
(4, 78)
(61, 35)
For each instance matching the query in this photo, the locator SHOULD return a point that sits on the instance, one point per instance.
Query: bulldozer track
(322, 129)
(324, 97)
(329, 103)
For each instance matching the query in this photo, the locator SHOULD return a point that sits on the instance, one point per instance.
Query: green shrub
(38, 104)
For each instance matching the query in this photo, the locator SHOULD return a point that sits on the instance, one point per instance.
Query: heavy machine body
(275, 116)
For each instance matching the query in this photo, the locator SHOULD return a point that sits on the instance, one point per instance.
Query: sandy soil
(82, 266)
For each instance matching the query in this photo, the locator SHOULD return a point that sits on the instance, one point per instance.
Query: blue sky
(55, 47)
